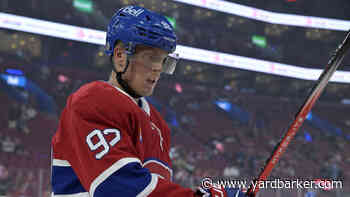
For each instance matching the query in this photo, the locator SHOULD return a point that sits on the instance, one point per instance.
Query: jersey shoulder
(97, 97)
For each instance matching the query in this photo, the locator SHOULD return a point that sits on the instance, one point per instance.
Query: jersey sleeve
(102, 152)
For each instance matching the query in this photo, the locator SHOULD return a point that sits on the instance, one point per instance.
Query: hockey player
(110, 141)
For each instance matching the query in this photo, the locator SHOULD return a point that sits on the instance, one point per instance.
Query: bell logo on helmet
(130, 10)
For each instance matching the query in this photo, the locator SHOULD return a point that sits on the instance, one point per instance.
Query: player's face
(145, 69)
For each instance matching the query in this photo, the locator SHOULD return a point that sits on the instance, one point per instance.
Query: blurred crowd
(16, 182)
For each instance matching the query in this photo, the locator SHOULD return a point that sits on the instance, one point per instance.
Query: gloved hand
(219, 191)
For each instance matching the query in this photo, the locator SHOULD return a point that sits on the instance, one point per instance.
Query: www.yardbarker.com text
(274, 184)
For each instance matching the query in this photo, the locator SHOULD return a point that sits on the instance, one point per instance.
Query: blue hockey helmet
(134, 25)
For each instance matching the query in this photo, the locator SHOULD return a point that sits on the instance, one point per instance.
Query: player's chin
(147, 92)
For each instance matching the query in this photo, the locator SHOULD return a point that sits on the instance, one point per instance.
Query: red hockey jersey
(108, 145)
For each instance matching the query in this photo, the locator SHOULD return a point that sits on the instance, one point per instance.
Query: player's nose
(157, 69)
(156, 73)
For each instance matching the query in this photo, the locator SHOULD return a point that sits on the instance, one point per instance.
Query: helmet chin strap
(123, 83)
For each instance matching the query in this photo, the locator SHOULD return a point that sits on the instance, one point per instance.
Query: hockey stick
(322, 81)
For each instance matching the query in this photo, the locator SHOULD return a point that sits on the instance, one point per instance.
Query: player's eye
(155, 59)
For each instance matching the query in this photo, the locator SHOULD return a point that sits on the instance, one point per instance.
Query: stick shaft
(323, 80)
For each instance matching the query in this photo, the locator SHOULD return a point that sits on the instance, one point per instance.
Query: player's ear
(119, 57)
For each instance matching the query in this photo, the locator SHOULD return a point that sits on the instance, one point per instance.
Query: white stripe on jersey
(109, 171)
(150, 187)
(82, 194)
(59, 162)
(161, 164)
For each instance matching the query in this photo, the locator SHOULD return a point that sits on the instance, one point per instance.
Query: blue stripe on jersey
(155, 159)
(129, 180)
(64, 181)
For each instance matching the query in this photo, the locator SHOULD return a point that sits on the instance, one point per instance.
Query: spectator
(27, 113)
(27, 189)
(8, 145)
(5, 181)
(335, 172)
(20, 150)
(231, 172)
(13, 115)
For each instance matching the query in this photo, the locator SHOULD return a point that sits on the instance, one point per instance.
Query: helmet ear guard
(130, 48)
